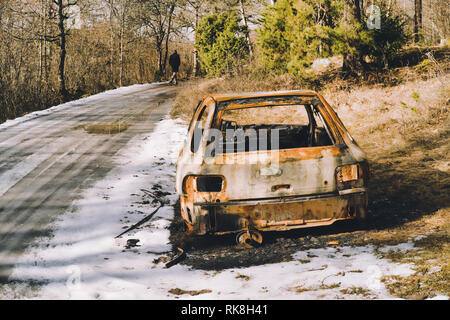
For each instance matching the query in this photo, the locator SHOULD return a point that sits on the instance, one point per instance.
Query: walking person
(174, 62)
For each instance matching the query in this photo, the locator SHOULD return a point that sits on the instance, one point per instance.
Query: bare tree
(155, 18)
(193, 11)
(46, 21)
(436, 20)
(121, 9)
(62, 7)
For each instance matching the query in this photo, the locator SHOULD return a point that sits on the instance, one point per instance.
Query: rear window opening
(271, 128)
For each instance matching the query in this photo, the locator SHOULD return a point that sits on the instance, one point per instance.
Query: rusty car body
(269, 161)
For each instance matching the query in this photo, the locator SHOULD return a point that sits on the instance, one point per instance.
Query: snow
(83, 260)
(403, 247)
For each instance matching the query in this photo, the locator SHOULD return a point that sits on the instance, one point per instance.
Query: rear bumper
(281, 213)
(287, 199)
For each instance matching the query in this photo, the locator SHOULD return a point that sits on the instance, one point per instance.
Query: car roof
(245, 95)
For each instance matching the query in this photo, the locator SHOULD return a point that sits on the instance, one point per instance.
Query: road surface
(46, 161)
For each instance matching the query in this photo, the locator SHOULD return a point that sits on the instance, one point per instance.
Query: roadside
(48, 158)
(403, 254)
(404, 130)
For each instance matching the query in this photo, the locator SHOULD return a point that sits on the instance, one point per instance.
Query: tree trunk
(41, 43)
(417, 20)
(121, 53)
(196, 68)
(111, 43)
(62, 52)
(45, 43)
(352, 62)
(160, 54)
(247, 35)
(169, 26)
(357, 10)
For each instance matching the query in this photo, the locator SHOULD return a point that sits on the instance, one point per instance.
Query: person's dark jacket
(174, 62)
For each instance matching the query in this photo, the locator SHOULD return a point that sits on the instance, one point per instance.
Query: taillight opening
(349, 176)
(203, 184)
(209, 184)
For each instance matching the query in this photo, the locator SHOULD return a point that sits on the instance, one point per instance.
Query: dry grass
(434, 223)
(408, 147)
(178, 292)
(304, 261)
(243, 277)
(300, 288)
(191, 92)
(405, 133)
(430, 258)
(431, 265)
(265, 115)
(357, 291)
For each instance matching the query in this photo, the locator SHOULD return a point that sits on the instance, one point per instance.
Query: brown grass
(431, 265)
(405, 132)
(300, 288)
(178, 292)
(243, 277)
(191, 92)
(357, 291)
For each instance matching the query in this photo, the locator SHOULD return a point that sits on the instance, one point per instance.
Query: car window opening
(271, 128)
(199, 127)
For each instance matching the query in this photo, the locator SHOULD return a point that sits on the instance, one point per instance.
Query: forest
(53, 51)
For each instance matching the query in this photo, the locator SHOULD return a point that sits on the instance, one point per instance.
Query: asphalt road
(47, 161)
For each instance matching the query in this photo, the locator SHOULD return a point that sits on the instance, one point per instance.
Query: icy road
(66, 193)
(47, 159)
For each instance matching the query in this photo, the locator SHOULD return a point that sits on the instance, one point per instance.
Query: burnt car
(269, 161)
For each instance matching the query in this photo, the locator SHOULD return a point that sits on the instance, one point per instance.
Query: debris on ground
(179, 256)
(132, 243)
(141, 222)
(179, 292)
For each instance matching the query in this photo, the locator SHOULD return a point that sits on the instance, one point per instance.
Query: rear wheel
(249, 238)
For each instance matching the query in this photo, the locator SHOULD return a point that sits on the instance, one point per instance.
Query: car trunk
(277, 173)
